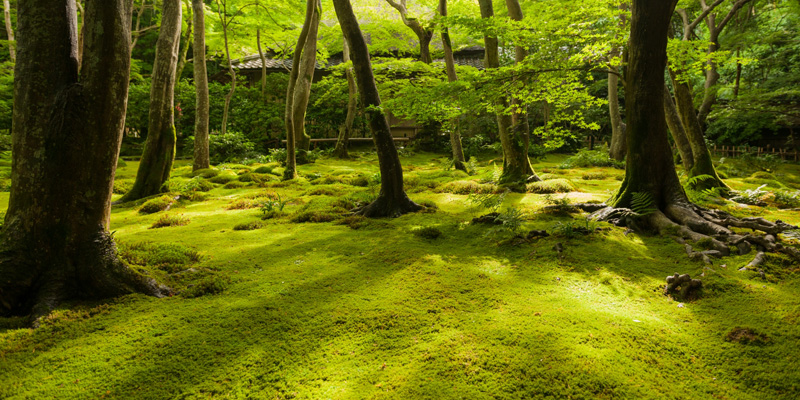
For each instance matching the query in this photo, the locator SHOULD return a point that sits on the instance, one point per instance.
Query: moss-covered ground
(382, 309)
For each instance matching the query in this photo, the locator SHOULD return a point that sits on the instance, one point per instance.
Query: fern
(642, 203)
(693, 181)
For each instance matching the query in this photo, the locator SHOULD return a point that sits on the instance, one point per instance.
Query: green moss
(223, 178)
(166, 220)
(467, 187)
(157, 204)
(263, 170)
(170, 257)
(551, 186)
(427, 232)
(594, 176)
(248, 226)
(234, 185)
(122, 186)
(205, 173)
(763, 175)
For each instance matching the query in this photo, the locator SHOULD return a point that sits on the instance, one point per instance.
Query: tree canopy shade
(67, 131)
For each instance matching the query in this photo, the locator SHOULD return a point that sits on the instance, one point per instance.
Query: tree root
(682, 286)
(384, 206)
(710, 229)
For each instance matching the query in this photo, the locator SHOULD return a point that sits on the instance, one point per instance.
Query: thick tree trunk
(9, 31)
(650, 168)
(345, 131)
(294, 78)
(618, 146)
(392, 200)
(187, 41)
(201, 156)
(519, 119)
(678, 133)
(450, 66)
(694, 134)
(82, 21)
(517, 169)
(424, 35)
(159, 149)
(66, 136)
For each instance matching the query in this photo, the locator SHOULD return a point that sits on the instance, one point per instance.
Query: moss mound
(551, 186)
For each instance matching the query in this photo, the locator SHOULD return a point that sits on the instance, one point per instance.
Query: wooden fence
(733, 151)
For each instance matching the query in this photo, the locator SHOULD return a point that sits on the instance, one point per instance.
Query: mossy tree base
(389, 206)
(37, 280)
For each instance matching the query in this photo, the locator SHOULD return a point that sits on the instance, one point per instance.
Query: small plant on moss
(272, 204)
(170, 220)
(427, 232)
(508, 222)
(785, 199)
(573, 229)
(156, 204)
(488, 201)
(248, 226)
(754, 197)
(551, 186)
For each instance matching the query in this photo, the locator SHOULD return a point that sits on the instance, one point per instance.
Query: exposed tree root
(682, 286)
(710, 229)
(385, 206)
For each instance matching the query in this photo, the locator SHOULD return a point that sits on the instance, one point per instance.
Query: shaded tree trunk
(299, 82)
(618, 146)
(678, 133)
(9, 31)
(345, 131)
(159, 148)
(517, 169)
(187, 41)
(82, 21)
(703, 164)
(263, 65)
(201, 116)
(222, 12)
(519, 118)
(67, 132)
(392, 200)
(450, 67)
(424, 34)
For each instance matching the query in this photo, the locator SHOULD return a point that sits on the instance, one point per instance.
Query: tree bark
(450, 66)
(694, 134)
(392, 200)
(424, 34)
(82, 22)
(302, 87)
(650, 168)
(187, 41)
(67, 132)
(678, 133)
(618, 146)
(517, 169)
(9, 31)
(519, 118)
(221, 11)
(201, 116)
(263, 64)
(159, 148)
(346, 129)
(297, 79)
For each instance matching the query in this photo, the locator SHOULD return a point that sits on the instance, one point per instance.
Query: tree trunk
(9, 31)
(82, 22)
(312, 13)
(650, 168)
(263, 65)
(450, 66)
(694, 134)
(424, 35)
(519, 118)
(187, 41)
(302, 87)
(201, 116)
(224, 19)
(159, 148)
(392, 200)
(66, 135)
(345, 131)
(517, 170)
(678, 133)
(618, 144)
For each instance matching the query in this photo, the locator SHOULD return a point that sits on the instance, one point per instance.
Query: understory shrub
(232, 146)
(591, 158)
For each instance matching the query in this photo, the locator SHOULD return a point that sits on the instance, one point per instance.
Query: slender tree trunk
(678, 133)
(345, 131)
(294, 74)
(650, 168)
(67, 132)
(392, 200)
(618, 143)
(224, 19)
(738, 80)
(187, 41)
(517, 170)
(450, 66)
(9, 31)
(136, 33)
(424, 34)
(694, 134)
(302, 87)
(82, 19)
(712, 77)
(263, 65)
(201, 116)
(159, 148)
(519, 119)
